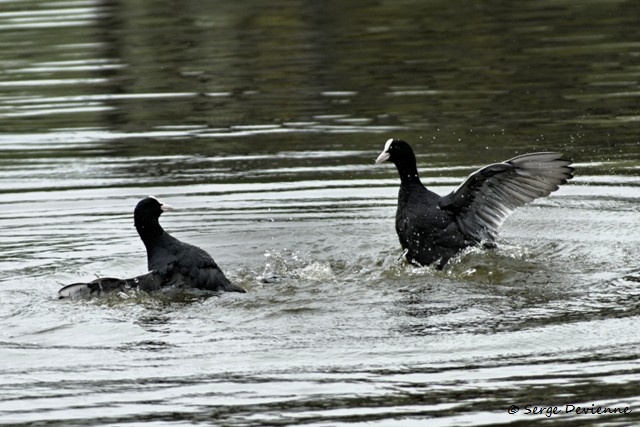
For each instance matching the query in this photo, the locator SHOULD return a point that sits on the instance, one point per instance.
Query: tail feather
(232, 287)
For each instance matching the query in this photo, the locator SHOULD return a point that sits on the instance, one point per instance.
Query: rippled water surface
(260, 121)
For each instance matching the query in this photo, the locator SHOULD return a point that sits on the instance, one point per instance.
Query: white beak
(166, 207)
(383, 157)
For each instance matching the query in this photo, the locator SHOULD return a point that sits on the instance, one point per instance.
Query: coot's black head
(148, 211)
(397, 151)
(400, 153)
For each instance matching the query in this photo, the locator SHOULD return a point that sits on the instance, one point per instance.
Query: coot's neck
(150, 232)
(408, 172)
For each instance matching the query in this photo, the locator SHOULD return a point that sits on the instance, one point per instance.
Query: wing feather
(485, 199)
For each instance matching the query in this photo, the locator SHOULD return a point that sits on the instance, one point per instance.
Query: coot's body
(181, 264)
(432, 228)
(171, 263)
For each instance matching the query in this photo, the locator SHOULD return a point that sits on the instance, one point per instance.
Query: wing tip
(75, 290)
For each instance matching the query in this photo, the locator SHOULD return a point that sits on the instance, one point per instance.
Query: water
(260, 122)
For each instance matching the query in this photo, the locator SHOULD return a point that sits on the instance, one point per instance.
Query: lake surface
(259, 122)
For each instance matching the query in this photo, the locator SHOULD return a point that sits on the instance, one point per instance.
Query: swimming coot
(170, 261)
(435, 228)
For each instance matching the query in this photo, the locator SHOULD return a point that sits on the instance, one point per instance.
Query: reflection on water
(260, 122)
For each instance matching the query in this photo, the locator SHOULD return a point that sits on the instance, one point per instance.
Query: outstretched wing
(93, 288)
(148, 282)
(490, 195)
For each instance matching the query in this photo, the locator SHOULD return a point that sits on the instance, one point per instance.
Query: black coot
(170, 261)
(433, 229)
